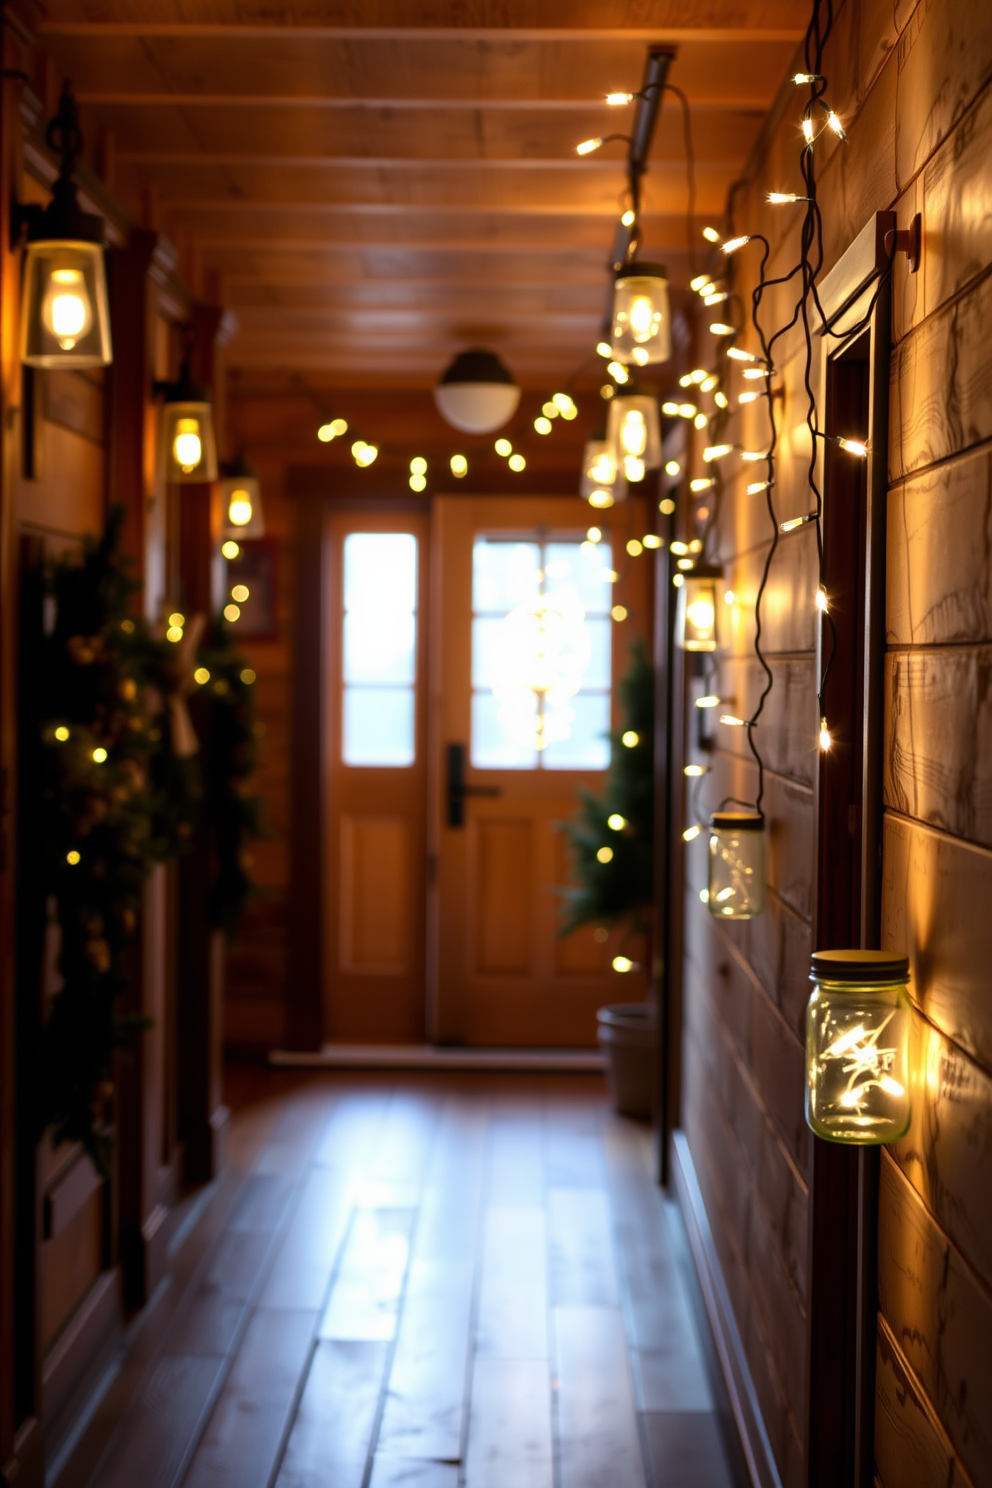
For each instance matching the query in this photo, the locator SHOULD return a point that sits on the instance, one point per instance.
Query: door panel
(498, 973)
(376, 829)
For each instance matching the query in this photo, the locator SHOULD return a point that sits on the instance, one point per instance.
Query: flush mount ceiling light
(477, 394)
(64, 318)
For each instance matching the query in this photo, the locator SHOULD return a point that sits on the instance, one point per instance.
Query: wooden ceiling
(371, 185)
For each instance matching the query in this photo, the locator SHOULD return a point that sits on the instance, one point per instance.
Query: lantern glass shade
(64, 316)
(737, 865)
(188, 442)
(696, 618)
(242, 507)
(858, 1024)
(633, 434)
(601, 484)
(642, 328)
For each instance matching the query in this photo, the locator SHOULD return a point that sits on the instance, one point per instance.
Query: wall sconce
(737, 865)
(64, 316)
(696, 612)
(188, 430)
(601, 483)
(858, 1023)
(242, 500)
(633, 432)
(642, 327)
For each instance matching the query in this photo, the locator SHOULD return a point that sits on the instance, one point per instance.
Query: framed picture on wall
(254, 570)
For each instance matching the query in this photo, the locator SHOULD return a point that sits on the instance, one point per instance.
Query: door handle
(457, 787)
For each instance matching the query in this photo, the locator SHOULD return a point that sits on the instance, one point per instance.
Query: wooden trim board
(434, 1057)
(755, 1447)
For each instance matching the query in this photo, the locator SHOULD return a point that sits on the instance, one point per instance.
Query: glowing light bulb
(634, 432)
(174, 634)
(711, 235)
(187, 447)
(72, 857)
(594, 535)
(700, 421)
(239, 509)
(693, 771)
(176, 619)
(99, 754)
(691, 833)
(247, 676)
(616, 822)
(825, 741)
(616, 100)
(855, 447)
(751, 457)
(603, 349)
(240, 593)
(732, 721)
(629, 218)
(834, 123)
(503, 447)
(808, 131)
(633, 468)
(715, 452)
(517, 463)
(549, 409)
(687, 410)
(821, 600)
(418, 483)
(670, 410)
(729, 597)
(782, 198)
(720, 399)
(702, 483)
(701, 616)
(630, 739)
(709, 701)
(666, 507)
(618, 372)
(201, 675)
(542, 425)
(720, 328)
(61, 733)
(717, 298)
(230, 549)
(418, 465)
(652, 540)
(634, 547)
(600, 499)
(751, 374)
(459, 465)
(679, 548)
(232, 613)
(66, 310)
(806, 77)
(738, 355)
(604, 855)
(619, 613)
(732, 244)
(750, 397)
(589, 145)
(672, 467)
(565, 405)
(678, 580)
(756, 487)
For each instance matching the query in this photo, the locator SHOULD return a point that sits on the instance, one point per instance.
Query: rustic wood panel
(939, 571)
(935, 897)
(910, 1446)
(789, 721)
(945, 59)
(938, 738)
(941, 1317)
(947, 1153)
(941, 401)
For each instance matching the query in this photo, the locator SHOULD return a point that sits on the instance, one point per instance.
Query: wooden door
(498, 972)
(376, 830)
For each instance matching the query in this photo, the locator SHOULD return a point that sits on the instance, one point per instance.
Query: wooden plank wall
(912, 85)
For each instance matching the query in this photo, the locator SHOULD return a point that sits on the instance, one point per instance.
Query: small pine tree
(622, 887)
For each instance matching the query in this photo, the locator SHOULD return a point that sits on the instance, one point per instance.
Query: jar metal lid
(860, 966)
(737, 821)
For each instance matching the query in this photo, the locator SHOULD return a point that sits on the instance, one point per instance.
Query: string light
(716, 452)
(629, 218)
(795, 523)
(670, 410)
(634, 547)
(616, 100)
(678, 548)
(702, 483)
(732, 721)
(806, 77)
(604, 855)
(750, 457)
(825, 741)
(603, 349)
(594, 535)
(756, 487)
(821, 600)
(694, 771)
(720, 328)
(855, 447)
(711, 235)
(696, 284)
(630, 739)
(619, 613)
(588, 146)
(733, 244)
(616, 822)
(618, 372)
(752, 373)
(61, 733)
(720, 399)
(666, 506)
(503, 447)
(672, 467)
(459, 466)
(691, 833)
(709, 701)
(652, 540)
(737, 354)
(542, 425)
(782, 198)
(517, 463)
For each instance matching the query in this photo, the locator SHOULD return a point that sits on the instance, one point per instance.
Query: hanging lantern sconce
(642, 327)
(633, 432)
(64, 317)
(858, 1023)
(242, 500)
(188, 443)
(737, 877)
(696, 615)
(601, 484)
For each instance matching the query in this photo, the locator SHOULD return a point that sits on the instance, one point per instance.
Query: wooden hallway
(420, 1281)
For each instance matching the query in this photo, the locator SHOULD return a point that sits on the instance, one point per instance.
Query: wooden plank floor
(455, 1281)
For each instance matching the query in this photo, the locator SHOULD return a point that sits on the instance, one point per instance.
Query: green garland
(621, 887)
(234, 815)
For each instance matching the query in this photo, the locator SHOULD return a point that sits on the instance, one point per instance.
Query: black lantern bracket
(63, 219)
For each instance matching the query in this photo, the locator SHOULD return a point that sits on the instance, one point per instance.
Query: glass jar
(737, 865)
(642, 327)
(857, 1047)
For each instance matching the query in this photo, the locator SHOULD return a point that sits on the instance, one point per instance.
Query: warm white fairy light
(834, 123)
(691, 833)
(617, 100)
(678, 580)
(732, 721)
(702, 483)
(700, 421)
(716, 452)
(709, 701)
(542, 425)
(737, 354)
(783, 198)
(720, 328)
(711, 235)
(756, 487)
(679, 548)
(750, 457)
(651, 540)
(821, 600)
(629, 218)
(749, 397)
(670, 410)
(729, 597)
(687, 410)
(694, 771)
(503, 447)
(794, 523)
(708, 383)
(594, 534)
(696, 284)
(807, 131)
(717, 298)
(588, 146)
(753, 373)
(806, 77)
(732, 244)
(517, 463)
(825, 741)
(855, 447)
(720, 399)
(672, 467)
(618, 372)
